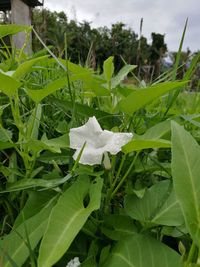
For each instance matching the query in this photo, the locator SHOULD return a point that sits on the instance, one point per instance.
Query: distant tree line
(91, 46)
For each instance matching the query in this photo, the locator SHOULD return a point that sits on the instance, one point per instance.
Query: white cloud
(161, 16)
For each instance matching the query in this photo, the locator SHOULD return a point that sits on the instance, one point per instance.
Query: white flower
(97, 142)
(74, 262)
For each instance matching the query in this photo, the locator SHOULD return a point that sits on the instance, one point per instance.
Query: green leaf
(32, 183)
(142, 251)
(5, 145)
(39, 95)
(86, 111)
(75, 68)
(93, 84)
(117, 226)
(15, 243)
(13, 29)
(58, 142)
(5, 135)
(108, 69)
(35, 203)
(13, 168)
(25, 67)
(158, 131)
(121, 75)
(34, 122)
(142, 97)
(37, 146)
(53, 145)
(8, 85)
(158, 206)
(68, 217)
(49, 157)
(185, 172)
(138, 144)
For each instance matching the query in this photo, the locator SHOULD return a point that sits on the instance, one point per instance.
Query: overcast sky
(160, 16)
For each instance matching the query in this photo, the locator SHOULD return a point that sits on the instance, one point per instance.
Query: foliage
(93, 46)
(139, 207)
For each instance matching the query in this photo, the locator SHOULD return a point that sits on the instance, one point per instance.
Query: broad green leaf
(108, 69)
(142, 97)
(158, 206)
(93, 84)
(8, 85)
(75, 68)
(14, 244)
(36, 146)
(53, 145)
(118, 226)
(25, 67)
(67, 219)
(185, 172)
(35, 203)
(142, 251)
(157, 131)
(58, 142)
(121, 75)
(138, 144)
(39, 95)
(12, 29)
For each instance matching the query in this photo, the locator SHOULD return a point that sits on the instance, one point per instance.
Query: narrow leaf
(25, 67)
(39, 95)
(108, 69)
(140, 144)
(121, 75)
(140, 98)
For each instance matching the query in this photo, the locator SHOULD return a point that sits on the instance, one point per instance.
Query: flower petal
(86, 133)
(74, 262)
(97, 142)
(116, 142)
(90, 155)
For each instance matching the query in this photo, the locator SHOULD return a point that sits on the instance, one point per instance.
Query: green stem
(112, 184)
(112, 192)
(119, 171)
(111, 172)
(191, 254)
(125, 175)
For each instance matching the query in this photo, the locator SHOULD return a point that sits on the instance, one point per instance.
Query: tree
(157, 51)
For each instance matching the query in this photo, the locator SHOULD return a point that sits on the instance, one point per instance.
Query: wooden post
(21, 14)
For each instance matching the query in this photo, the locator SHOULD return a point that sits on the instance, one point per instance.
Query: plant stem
(119, 171)
(112, 192)
(191, 254)
(125, 175)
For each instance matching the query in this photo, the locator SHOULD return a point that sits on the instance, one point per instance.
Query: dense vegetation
(138, 207)
(92, 46)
